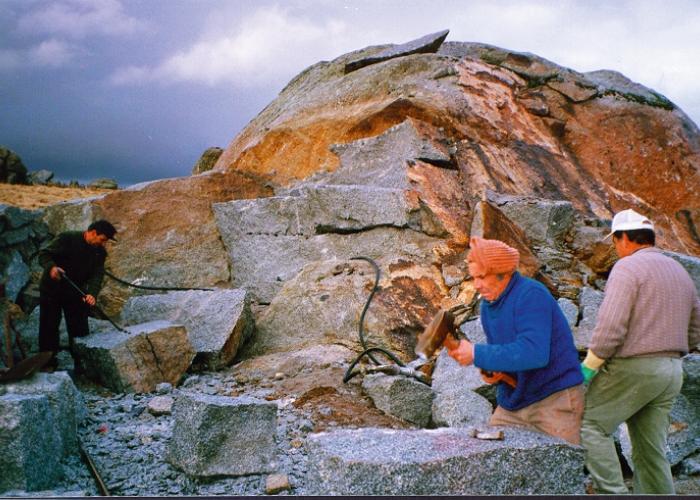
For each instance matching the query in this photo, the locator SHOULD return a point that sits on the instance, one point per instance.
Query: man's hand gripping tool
(441, 332)
(82, 294)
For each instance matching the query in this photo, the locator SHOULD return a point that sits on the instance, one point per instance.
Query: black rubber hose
(369, 299)
(349, 374)
(367, 351)
(143, 287)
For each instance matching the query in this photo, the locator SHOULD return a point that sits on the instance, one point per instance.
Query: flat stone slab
(150, 354)
(223, 436)
(381, 161)
(424, 45)
(442, 462)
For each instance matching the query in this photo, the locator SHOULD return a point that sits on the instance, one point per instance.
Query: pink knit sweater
(651, 308)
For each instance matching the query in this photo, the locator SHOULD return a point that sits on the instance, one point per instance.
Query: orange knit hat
(494, 256)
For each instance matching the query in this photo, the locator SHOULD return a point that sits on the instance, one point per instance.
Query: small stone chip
(276, 483)
(160, 405)
(488, 435)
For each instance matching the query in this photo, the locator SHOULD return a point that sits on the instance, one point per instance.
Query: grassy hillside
(35, 197)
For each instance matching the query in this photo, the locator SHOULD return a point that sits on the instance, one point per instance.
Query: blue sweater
(530, 339)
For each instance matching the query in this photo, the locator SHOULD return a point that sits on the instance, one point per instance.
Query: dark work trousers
(76, 314)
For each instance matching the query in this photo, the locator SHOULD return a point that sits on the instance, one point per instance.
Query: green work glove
(587, 372)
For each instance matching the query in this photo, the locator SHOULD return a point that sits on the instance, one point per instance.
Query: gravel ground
(127, 444)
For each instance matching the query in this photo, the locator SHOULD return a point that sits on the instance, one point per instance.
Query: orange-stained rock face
(648, 159)
(513, 123)
(166, 232)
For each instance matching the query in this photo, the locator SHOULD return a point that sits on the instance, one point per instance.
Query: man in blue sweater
(529, 340)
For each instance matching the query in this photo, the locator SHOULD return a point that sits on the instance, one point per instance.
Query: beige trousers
(558, 415)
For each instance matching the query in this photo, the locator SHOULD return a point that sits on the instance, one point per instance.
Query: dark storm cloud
(137, 90)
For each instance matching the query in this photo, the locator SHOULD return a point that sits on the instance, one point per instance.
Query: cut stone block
(150, 354)
(217, 322)
(66, 404)
(442, 462)
(544, 221)
(401, 397)
(456, 403)
(223, 436)
(30, 457)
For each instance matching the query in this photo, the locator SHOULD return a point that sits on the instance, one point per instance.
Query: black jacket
(83, 264)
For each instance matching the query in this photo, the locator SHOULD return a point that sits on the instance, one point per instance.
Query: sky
(137, 90)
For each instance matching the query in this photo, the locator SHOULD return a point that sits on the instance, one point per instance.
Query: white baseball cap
(628, 220)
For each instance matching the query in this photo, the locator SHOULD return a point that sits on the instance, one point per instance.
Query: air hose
(133, 285)
(367, 351)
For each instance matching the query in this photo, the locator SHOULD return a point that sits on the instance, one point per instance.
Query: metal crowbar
(97, 308)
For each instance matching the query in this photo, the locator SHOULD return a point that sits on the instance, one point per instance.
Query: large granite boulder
(513, 123)
(442, 462)
(217, 322)
(324, 302)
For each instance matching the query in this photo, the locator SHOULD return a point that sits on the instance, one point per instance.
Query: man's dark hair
(103, 227)
(638, 236)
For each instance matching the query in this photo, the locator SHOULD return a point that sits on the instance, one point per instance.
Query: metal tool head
(26, 367)
(435, 334)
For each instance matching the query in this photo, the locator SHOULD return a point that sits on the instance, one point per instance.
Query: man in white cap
(649, 318)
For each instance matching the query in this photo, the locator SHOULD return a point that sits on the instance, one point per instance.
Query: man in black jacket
(81, 257)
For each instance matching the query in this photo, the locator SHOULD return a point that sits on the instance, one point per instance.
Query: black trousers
(76, 313)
